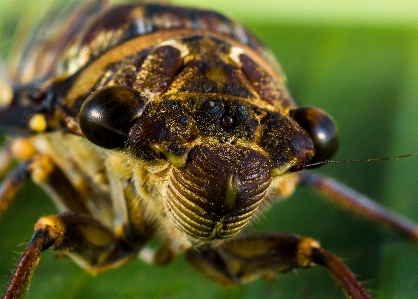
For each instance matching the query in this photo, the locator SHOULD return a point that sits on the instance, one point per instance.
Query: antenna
(316, 164)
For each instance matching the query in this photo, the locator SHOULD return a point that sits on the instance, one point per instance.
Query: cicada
(160, 131)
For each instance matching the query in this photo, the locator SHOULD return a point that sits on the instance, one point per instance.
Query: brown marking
(158, 70)
(271, 89)
(125, 72)
(91, 73)
(164, 129)
(285, 141)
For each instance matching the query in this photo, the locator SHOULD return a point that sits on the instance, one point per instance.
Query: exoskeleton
(151, 121)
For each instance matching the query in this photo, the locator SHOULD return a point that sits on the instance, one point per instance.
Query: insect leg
(11, 185)
(44, 172)
(53, 179)
(92, 245)
(21, 149)
(359, 203)
(248, 257)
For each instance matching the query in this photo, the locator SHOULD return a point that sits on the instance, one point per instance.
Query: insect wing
(34, 60)
(35, 56)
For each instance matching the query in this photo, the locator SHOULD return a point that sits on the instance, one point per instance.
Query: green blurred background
(358, 60)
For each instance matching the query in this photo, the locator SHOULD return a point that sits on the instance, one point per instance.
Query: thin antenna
(316, 164)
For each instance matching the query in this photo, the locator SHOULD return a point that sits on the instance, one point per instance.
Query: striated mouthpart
(218, 190)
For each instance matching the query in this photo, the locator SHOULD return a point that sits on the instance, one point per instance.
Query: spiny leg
(92, 245)
(88, 242)
(43, 171)
(243, 259)
(359, 203)
(22, 275)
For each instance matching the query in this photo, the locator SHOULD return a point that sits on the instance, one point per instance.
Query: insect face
(223, 153)
(223, 147)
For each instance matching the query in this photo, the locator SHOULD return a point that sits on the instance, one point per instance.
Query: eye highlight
(108, 113)
(321, 128)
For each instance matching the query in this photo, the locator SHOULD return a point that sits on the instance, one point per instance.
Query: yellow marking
(22, 148)
(283, 186)
(96, 236)
(277, 171)
(216, 229)
(120, 164)
(120, 231)
(100, 178)
(96, 269)
(217, 74)
(304, 252)
(231, 192)
(149, 94)
(235, 53)
(37, 123)
(158, 168)
(41, 169)
(89, 76)
(6, 94)
(175, 160)
(184, 50)
(79, 182)
(55, 225)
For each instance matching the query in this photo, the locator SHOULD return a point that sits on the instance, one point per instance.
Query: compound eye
(322, 130)
(108, 113)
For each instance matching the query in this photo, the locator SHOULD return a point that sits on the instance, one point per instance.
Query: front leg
(92, 245)
(245, 258)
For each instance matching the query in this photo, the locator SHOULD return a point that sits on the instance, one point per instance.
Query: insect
(209, 104)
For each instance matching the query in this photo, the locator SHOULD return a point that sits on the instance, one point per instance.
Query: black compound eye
(108, 113)
(322, 130)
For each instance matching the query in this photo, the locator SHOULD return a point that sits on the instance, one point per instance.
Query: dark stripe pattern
(218, 190)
